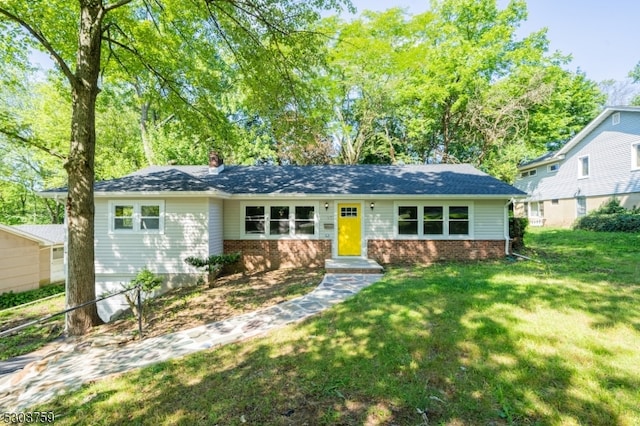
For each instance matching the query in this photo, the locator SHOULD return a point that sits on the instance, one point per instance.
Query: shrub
(11, 299)
(611, 207)
(624, 222)
(517, 229)
(147, 281)
(214, 264)
(610, 217)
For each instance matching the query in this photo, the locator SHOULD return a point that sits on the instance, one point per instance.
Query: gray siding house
(600, 162)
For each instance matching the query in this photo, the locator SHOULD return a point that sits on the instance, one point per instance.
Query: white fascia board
(162, 194)
(555, 159)
(145, 194)
(376, 196)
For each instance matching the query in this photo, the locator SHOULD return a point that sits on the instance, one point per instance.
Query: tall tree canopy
(168, 50)
(454, 84)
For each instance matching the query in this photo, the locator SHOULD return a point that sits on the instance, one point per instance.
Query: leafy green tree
(89, 38)
(454, 84)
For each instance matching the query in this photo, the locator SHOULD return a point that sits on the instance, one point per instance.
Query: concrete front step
(356, 265)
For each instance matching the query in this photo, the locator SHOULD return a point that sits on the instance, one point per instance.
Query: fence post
(139, 311)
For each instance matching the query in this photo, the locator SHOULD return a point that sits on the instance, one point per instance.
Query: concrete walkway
(69, 366)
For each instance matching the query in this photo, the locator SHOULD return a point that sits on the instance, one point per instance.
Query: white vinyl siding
(488, 219)
(231, 223)
(379, 221)
(610, 169)
(185, 234)
(216, 219)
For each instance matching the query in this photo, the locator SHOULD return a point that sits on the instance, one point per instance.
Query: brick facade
(261, 255)
(429, 251)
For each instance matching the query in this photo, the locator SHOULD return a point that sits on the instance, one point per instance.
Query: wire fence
(42, 320)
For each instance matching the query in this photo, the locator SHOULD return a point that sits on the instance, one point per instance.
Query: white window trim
(527, 173)
(553, 171)
(615, 119)
(445, 235)
(136, 216)
(267, 212)
(580, 175)
(635, 163)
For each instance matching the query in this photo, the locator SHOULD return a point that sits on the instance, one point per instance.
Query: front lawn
(505, 342)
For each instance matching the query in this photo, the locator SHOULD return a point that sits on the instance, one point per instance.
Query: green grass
(35, 337)
(503, 342)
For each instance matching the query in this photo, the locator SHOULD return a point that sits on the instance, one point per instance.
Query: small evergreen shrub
(610, 217)
(214, 264)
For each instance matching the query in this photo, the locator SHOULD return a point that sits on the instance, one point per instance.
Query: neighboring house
(30, 256)
(295, 216)
(600, 162)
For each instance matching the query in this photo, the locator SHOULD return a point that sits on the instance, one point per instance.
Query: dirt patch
(232, 295)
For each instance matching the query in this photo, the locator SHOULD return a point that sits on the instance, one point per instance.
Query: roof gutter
(551, 160)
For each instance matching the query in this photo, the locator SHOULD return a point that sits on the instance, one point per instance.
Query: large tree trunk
(80, 168)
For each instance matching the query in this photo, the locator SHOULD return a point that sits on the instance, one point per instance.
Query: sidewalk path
(69, 366)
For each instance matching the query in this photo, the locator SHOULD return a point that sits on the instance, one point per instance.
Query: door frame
(363, 245)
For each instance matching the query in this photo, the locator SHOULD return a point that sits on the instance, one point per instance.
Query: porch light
(372, 205)
(326, 205)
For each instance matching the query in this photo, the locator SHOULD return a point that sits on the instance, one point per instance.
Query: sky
(602, 36)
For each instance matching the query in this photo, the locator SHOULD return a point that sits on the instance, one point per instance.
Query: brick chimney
(216, 164)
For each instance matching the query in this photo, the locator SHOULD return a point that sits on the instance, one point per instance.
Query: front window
(137, 216)
(280, 220)
(304, 220)
(635, 156)
(408, 220)
(433, 221)
(254, 220)
(583, 167)
(150, 217)
(123, 217)
(459, 220)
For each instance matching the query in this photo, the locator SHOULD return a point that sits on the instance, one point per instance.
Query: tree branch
(31, 142)
(157, 74)
(44, 42)
(116, 5)
(15, 134)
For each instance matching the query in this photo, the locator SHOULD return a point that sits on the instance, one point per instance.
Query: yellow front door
(349, 229)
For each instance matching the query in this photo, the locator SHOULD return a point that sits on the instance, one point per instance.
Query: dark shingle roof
(433, 179)
(154, 179)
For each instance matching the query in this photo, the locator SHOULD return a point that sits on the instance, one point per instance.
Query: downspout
(507, 237)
